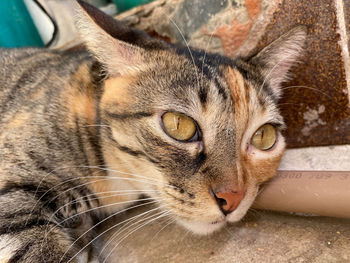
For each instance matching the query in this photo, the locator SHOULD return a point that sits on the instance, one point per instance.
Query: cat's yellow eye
(265, 137)
(179, 126)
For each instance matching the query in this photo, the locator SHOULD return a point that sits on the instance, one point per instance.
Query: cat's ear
(96, 28)
(277, 58)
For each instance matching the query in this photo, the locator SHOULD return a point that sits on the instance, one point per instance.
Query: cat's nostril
(229, 201)
(221, 202)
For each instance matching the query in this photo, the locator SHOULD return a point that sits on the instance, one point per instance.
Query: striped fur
(74, 127)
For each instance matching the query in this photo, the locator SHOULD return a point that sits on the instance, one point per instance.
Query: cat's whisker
(82, 177)
(105, 231)
(99, 180)
(102, 221)
(266, 77)
(100, 177)
(144, 224)
(37, 188)
(105, 168)
(187, 45)
(118, 193)
(310, 88)
(106, 178)
(59, 224)
(104, 206)
(135, 175)
(306, 87)
(62, 183)
(205, 51)
(272, 69)
(168, 223)
(126, 226)
(186, 234)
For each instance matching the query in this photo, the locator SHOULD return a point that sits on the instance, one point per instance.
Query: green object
(16, 26)
(123, 5)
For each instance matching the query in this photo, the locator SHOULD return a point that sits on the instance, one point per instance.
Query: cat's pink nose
(228, 201)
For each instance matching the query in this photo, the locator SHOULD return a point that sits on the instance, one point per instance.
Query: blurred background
(47, 22)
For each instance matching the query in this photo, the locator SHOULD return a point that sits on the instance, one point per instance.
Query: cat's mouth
(219, 221)
(205, 228)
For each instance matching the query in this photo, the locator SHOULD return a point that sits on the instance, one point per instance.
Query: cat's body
(73, 132)
(41, 121)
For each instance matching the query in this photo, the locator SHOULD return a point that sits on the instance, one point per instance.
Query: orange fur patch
(84, 106)
(19, 120)
(240, 95)
(105, 186)
(116, 92)
(262, 170)
(82, 101)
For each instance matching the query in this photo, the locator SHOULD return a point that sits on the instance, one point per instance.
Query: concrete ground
(261, 237)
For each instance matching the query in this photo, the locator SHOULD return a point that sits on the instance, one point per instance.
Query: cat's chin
(202, 228)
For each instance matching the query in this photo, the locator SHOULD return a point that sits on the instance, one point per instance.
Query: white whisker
(127, 226)
(169, 222)
(105, 231)
(101, 177)
(135, 175)
(104, 206)
(310, 88)
(112, 194)
(59, 224)
(106, 178)
(188, 47)
(268, 74)
(205, 51)
(144, 224)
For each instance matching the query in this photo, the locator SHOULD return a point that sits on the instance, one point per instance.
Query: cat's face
(199, 132)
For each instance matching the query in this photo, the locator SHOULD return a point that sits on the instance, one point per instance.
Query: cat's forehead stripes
(214, 67)
(240, 94)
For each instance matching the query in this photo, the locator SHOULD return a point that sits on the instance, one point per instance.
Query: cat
(85, 133)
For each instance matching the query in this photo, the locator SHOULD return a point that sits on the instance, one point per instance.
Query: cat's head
(200, 132)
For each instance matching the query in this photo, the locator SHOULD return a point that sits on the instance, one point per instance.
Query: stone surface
(261, 237)
(316, 100)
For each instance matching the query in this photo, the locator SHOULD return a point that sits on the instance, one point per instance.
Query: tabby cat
(84, 133)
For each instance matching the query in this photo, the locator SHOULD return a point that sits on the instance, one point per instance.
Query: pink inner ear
(127, 52)
(278, 72)
(278, 57)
